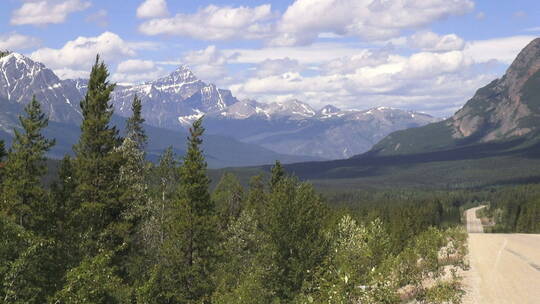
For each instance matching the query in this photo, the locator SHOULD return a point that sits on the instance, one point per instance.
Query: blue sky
(424, 55)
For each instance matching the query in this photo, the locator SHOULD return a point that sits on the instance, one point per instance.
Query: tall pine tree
(23, 196)
(134, 125)
(97, 168)
(194, 227)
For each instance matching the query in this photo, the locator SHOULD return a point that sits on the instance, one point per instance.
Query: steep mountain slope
(505, 109)
(175, 100)
(21, 78)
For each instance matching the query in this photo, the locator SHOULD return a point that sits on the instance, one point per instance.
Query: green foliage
(134, 125)
(277, 174)
(294, 220)
(94, 281)
(191, 249)
(243, 272)
(97, 165)
(228, 197)
(2, 155)
(445, 293)
(31, 268)
(159, 209)
(23, 197)
(4, 53)
(515, 209)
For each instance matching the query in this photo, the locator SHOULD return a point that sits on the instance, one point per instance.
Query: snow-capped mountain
(21, 78)
(175, 101)
(328, 133)
(179, 98)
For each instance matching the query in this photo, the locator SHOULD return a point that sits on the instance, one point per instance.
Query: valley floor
(505, 268)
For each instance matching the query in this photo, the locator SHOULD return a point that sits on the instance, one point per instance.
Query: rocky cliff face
(21, 78)
(497, 111)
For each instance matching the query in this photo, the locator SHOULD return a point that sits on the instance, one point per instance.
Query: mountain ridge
(174, 101)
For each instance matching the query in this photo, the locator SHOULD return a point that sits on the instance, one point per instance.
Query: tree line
(514, 209)
(114, 228)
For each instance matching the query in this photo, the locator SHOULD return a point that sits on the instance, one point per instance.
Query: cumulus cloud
(138, 70)
(44, 12)
(153, 9)
(370, 78)
(135, 65)
(364, 58)
(429, 41)
(503, 50)
(15, 41)
(209, 63)
(214, 23)
(367, 19)
(77, 56)
(280, 66)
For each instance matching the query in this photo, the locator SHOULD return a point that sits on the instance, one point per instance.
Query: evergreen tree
(228, 197)
(23, 197)
(194, 228)
(97, 163)
(134, 125)
(277, 174)
(159, 208)
(94, 281)
(294, 220)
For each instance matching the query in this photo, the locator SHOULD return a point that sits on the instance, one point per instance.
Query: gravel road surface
(505, 268)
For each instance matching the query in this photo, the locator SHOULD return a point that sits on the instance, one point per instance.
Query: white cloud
(78, 55)
(135, 65)
(429, 41)
(43, 12)
(315, 54)
(364, 58)
(214, 23)
(480, 16)
(15, 41)
(153, 9)
(141, 76)
(430, 81)
(304, 20)
(503, 50)
(280, 66)
(209, 64)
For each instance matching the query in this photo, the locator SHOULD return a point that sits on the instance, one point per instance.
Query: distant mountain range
(494, 138)
(289, 131)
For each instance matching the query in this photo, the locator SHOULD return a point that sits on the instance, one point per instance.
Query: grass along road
(505, 268)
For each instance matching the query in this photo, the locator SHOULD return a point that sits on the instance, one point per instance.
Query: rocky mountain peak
(328, 110)
(21, 78)
(182, 74)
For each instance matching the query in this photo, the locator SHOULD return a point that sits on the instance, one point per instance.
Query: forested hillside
(114, 228)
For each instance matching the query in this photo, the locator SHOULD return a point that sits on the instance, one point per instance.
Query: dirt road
(505, 268)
